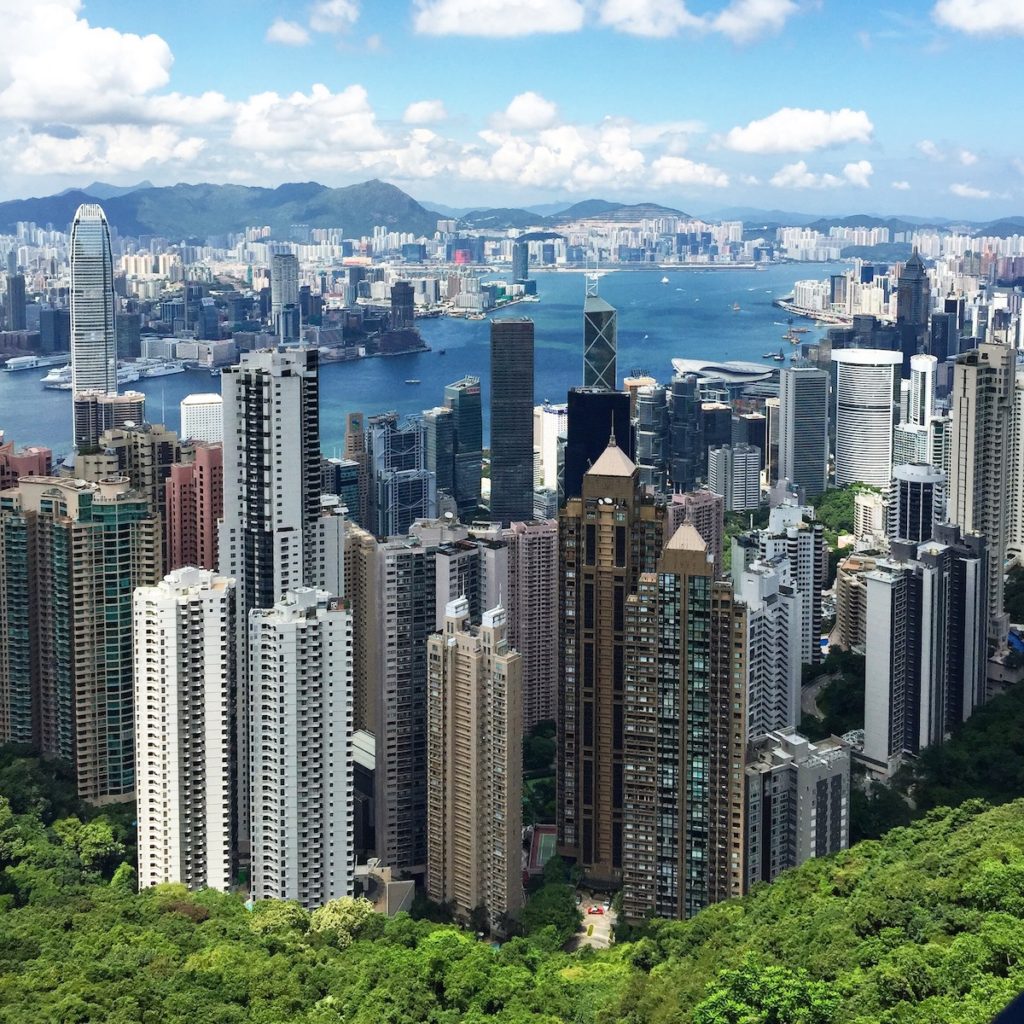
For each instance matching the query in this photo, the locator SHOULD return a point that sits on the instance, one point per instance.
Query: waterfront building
(185, 681)
(93, 339)
(511, 420)
(202, 418)
(803, 429)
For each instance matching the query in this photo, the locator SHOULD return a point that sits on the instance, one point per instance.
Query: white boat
(664, 280)
(159, 368)
(58, 375)
(32, 362)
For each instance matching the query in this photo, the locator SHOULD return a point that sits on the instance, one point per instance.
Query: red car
(595, 910)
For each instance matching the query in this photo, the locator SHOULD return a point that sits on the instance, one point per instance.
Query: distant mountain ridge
(185, 211)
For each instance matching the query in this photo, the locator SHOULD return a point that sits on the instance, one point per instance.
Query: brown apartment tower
(608, 537)
(684, 736)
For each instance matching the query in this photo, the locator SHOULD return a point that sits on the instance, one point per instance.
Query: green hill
(925, 926)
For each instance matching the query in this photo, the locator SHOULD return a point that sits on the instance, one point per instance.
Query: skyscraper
(734, 472)
(184, 630)
(439, 451)
(195, 504)
(913, 298)
(284, 283)
(979, 494)
(924, 643)
(463, 398)
(474, 766)
(520, 261)
(403, 308)
(511, 420)
(16, 320)
(71, 553)
(607, 537)
(96, 411)
(865, 413)
(356, 450)
(403, 487)
(593, 415)
(684, 731)
(600, 343)
(93, 340)
(301, 748)
(686, 437)
(803, 428)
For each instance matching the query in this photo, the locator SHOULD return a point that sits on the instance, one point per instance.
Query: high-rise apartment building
(93, 341)
(684, 731)
(774, 645)
(95, 412)
(923, 370)
(15, 463)
(474, 766)
(71, 553)
(185, 681)
(803, 428)
(202, 418)
(651, 415)
(300, 696)
(550, 423)
(284, 283)
(195, 504)
(979, 497)
(797, 803)
(866, 392)
(925, 643)
(463, 398)
(1015, 524)
(916, 502)
(734, 472)
(607, 537)
(686, 434)
(533, 614)
(511, 420)
(706, 511)
(600, 343)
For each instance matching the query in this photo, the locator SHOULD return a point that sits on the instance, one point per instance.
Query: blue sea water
(691, 316)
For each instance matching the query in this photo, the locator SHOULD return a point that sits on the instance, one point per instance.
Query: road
(599, 926)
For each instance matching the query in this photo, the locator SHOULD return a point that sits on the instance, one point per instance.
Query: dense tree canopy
(925, 925)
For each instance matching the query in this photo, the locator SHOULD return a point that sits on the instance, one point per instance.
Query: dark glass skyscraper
(600, 342)
(93, 343)
(686, 437)
(512, 420)
(520, 261)
(16, 320)
(463, 398)
(593, 415)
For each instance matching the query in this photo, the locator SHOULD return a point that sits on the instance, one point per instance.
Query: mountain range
(199, 211)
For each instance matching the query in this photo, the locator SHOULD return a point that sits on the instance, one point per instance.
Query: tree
(554, 905)
(341, 920)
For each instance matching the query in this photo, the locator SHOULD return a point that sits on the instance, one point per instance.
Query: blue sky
(807, 105)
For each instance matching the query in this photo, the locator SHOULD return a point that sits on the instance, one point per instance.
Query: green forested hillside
(925, 925)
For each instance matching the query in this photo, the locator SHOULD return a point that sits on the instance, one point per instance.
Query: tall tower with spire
(600, 339)
(608, 536)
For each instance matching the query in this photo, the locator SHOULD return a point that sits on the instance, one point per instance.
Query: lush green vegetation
(834, 509)
(539, 747)
(1013, 595)
(841, 699)
(923, 927)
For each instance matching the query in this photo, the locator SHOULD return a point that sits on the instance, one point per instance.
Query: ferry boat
(735, 307)
(412, 380)
(60, 379)
(157, 367)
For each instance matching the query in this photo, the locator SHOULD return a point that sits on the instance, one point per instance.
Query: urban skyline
(157, 104)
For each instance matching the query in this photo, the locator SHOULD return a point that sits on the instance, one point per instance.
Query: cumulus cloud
(970, 192)
(496, 18)
(746, 20)
(333, 15)
(981, 17)
(930, 150)
(425, 112)
(648, 17)
(55, 66)
(287, 33)
(967, 158)
(529, 111)
(798, 175)
(677, 170)
(901, 186)
(795, 130)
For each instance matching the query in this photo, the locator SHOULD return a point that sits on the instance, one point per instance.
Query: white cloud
(677, 170)
(496, 18)
(980, 17)
(425, 112)
(287, 33)
(648, 17)
(54, 66)
(967, 158)
(930, 150)
(797, 175)
(795, 130)
(970, 192)
(333, 15)
(529, 111)
(901, 186)
(746, 20)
